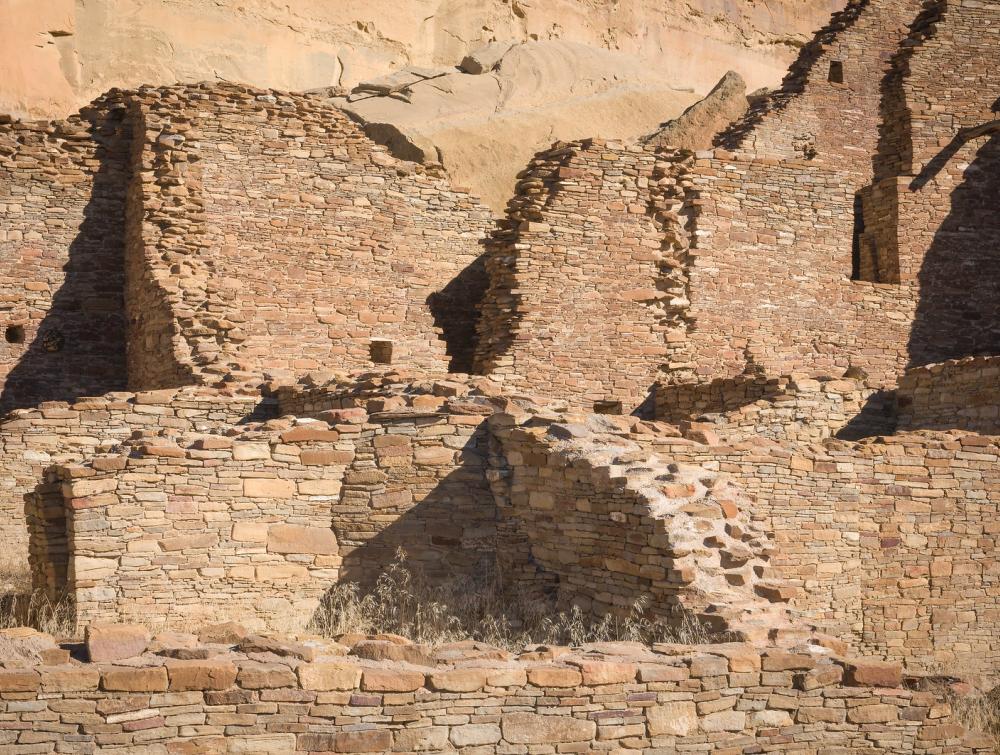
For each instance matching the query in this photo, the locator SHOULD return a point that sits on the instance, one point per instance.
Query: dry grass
(403, 602)
(20, 605)
(978, 710)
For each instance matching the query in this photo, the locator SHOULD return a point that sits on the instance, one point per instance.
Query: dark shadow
(859, 232)
(893, 154)
(455, 309)
(448, 534)
(877, 417)
(48, 537)
(79, 346)
(958, 311)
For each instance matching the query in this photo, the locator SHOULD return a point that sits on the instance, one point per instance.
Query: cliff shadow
(78, 347)
(958, 307)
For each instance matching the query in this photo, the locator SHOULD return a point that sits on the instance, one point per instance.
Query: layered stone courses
(270, 696)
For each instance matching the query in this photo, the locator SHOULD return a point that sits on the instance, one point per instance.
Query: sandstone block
(866, 673)
(265, 676)
(603, 672)
(672, 719)
(200, 675)
(531, 728)
(113, 642)
(250, 532)
(459, 680)
(268, 488)
(319, 487)
(554, 676)
(329, 676)
(425, 739)
(473, 735)
(129, 679)
(228, 633)
(726, 720)
(294, 538)
(70, 678)
(391, 680)
(872, 714)
(261, 744)
(19, 680)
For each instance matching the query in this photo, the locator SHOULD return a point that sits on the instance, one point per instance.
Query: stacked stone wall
(587, 287)
(939, 167)
(280, 239)
(270, 696)
(61, 239)
(961, 394)
(771, 274)
(792, 407)
(59, 432)
(890, 542)
(259, 525)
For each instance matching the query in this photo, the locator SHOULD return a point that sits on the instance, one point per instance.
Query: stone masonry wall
(257, 525)
(941, 161)
(280, 239)
(606, 526)
(61, 239)
(273, 696)
(793, 407)
(59, 432)
(587, 293)
(890, 542)
(961, 394)
(776, 282)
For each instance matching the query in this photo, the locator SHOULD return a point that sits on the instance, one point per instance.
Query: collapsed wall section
(277, 238)
(62, 207)
(889, 543)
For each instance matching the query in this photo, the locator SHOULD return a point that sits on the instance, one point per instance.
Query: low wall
(789, 407)
(59, 432)
(291, 697)
(959, 394)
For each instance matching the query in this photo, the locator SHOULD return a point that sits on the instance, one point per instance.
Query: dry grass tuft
(21, 606)
(404, 602)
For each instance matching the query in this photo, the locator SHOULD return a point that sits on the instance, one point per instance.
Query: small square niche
(380, 351)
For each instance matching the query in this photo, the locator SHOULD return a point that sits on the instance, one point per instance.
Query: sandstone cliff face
(485, 121)
(58, 54)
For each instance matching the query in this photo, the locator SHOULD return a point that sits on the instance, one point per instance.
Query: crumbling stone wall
(888, 542)
(587, 290)
(61, 239)
(792, 407)
(961, 394)
(280, 239)
(608, 527)
(283, 696)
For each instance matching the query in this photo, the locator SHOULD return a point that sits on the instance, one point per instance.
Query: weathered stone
(113, 642)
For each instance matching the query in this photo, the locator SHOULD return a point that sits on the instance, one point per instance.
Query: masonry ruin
(249, 356)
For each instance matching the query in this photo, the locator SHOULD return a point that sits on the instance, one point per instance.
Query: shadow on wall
(455, 309)
(958, 312)
(448, 532)
(79, 346)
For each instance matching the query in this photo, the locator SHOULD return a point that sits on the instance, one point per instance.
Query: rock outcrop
(56, 56)
(485, 120)
(696, 126)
